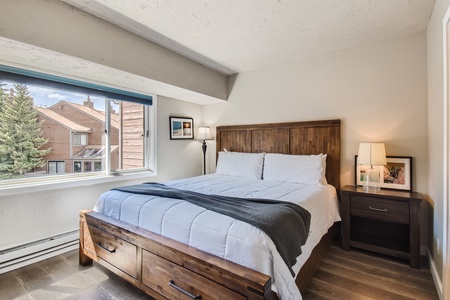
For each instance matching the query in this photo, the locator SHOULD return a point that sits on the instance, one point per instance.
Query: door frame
(446, 158)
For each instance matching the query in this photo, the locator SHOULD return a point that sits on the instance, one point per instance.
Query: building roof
(93, 151)
(98, 114)
(62, 120)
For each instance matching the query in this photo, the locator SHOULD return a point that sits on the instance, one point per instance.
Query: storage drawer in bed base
(137, 248)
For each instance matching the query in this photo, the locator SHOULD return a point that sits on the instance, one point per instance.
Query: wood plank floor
(364, 275)
(342, 275)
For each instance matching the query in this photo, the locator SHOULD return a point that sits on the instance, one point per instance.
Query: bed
(164, 265)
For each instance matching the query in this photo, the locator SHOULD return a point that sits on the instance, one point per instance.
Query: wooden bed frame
(167, 269)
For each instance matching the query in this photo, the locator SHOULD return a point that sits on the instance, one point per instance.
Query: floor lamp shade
(373, 154)
(204, 134)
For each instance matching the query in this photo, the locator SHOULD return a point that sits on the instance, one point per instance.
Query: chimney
(88, 103)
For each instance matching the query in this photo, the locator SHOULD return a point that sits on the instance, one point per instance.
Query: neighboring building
(75, 133)
(60, 133)
(132, 135)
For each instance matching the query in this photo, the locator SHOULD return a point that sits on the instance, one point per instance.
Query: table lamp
(372, 154)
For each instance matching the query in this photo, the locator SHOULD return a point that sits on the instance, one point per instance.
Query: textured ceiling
(242, 35)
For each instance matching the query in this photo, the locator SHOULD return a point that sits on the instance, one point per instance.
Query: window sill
(61, 183)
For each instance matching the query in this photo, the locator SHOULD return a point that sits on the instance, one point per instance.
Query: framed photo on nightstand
(396, 175)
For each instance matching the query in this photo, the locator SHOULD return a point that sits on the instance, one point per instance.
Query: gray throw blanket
(287, 224)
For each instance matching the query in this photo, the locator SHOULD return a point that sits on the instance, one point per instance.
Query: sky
(46, 97)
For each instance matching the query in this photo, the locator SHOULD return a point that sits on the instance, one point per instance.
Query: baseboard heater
(19, 256)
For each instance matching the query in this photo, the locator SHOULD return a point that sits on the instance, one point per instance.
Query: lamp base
(204, 156)
(371, 180)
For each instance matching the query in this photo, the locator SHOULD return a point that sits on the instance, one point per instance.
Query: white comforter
(222, 235)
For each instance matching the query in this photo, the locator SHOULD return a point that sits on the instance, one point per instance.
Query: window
(97, 166)
(77, 166)
(79, 139)
(87, 166)
(56, 167)
(91, 132)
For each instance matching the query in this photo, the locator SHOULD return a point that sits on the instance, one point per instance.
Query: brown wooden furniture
(151, 261)
(297, 138)
(387, 222)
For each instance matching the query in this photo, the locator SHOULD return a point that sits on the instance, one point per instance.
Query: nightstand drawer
(380, 209)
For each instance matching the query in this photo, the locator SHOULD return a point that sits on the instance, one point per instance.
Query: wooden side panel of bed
(149, 260)
(299, 138)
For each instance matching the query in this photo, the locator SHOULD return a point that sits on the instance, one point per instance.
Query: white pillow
(307, 169)
(324, 168)
(249, 165)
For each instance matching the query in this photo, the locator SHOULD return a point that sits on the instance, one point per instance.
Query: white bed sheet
(222, 235)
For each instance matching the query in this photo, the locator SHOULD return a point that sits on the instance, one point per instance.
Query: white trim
(107, 136)
(22, 255)
(446, 207)
(152, 140)
(70, 182)
(48, 254)
(435, 275)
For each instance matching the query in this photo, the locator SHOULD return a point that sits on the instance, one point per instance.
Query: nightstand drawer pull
(378, 209)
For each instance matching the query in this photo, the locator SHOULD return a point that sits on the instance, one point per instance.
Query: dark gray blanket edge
(287, 224)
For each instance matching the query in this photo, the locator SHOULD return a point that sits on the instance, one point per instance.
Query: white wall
(178, 158)
(379, 91)
(33, 216)
(436, 126)
(52, 36)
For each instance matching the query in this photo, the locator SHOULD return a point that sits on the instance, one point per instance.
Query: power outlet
(437, 246)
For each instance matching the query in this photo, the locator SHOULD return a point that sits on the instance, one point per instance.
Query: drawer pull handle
(106, 249)
(378, 209)
(172, 284)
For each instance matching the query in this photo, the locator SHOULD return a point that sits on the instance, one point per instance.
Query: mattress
(222, 235)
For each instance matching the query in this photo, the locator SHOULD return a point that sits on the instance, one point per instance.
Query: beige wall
(379, 91)
(33, 216)
(436, 127)
(51, 36)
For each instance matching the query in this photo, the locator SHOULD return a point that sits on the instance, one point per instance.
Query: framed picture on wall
(396, 174)
(181, 128)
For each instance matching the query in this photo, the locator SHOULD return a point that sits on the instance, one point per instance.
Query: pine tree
(20, 134)
(2, 95)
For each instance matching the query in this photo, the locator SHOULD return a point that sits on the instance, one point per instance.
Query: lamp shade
(371, 154)
(204, 133)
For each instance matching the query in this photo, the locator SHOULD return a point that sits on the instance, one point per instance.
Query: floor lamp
(204, 134)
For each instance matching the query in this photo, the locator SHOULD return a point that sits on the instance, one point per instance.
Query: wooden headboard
(299, 138)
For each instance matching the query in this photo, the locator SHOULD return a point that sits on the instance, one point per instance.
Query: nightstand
(386, 222)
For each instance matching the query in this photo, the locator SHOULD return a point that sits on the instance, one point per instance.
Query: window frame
(56, 166)
(149, 145)
(80, 135)
(74, 180)
(71, 181)
(58, 181)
